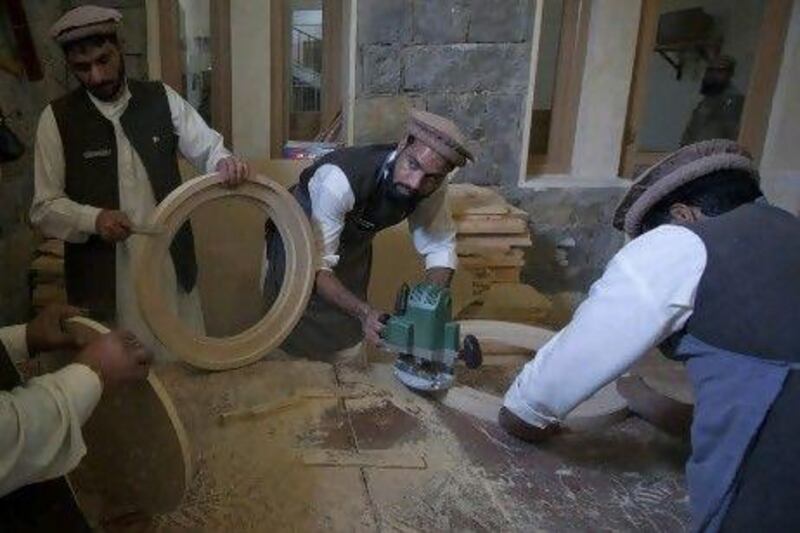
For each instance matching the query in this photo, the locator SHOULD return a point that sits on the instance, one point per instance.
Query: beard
(399, 194)
(108, 91)
(712, 87)
(402, 196)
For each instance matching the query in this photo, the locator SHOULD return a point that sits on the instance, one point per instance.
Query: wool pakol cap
(85, 21)
(673, 172)
(442, 135)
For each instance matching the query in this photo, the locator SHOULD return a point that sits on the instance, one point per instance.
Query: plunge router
(426, 339)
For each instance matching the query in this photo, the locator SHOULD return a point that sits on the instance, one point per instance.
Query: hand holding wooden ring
(267, 334)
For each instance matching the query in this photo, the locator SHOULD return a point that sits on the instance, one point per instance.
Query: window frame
(333, 60)
(570, 63)
(172, 62)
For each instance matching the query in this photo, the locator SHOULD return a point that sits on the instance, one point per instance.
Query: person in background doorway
(718, 114)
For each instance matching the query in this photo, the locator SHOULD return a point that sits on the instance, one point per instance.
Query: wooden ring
(254, 343)
(138, 452)
(520, 335)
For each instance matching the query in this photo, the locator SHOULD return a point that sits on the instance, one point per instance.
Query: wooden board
(363, 458)
(52, 247)
(514, 257)
(138, 456)
(49, 294)
(604, 408)
(497, 274)
(465, 198)
(479, 224)
(478, 478)
(665, 376)
(520, 335)
(48, 265)
(493, 241)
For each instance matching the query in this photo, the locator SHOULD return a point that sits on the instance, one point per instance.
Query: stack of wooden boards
(491, 235)
(47, 274)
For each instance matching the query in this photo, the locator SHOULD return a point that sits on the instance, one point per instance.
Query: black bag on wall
(11, 148)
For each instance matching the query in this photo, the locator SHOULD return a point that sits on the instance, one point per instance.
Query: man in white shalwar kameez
(105, 156)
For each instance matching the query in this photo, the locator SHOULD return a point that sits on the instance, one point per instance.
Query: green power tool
(426, 339)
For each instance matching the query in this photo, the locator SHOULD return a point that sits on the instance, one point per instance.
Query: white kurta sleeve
(646, 294)
(200, 144)
(331, 199)
(433, 231)
(51, 211)
(40, 424)
(15, 341)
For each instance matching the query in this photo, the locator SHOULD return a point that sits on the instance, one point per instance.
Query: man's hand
(44, 333)
(117, 357)
(517, 427)
(233, 171)
(113, 226)
(372, 325)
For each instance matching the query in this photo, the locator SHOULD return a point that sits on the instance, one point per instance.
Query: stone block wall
(466, 59)
(470, 60)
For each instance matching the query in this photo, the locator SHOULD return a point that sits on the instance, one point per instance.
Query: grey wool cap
(673, 172)
(85, 21)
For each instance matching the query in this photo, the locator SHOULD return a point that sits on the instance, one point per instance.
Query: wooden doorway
(767, 55)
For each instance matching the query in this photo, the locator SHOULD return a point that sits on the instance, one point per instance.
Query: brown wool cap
(442, 135)
(674, 171)
(85, 21)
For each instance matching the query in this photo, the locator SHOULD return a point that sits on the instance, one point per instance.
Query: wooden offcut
(138, 456)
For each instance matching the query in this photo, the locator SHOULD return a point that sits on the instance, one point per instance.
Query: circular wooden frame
(252, 344)
(138, 453)
(520, 335)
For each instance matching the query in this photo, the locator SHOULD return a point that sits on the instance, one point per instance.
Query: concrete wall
(23, 102)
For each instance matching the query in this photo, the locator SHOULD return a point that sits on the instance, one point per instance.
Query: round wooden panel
(267, 334)
(137, 450)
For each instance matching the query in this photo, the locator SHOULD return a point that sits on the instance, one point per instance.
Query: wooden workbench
(384, 459)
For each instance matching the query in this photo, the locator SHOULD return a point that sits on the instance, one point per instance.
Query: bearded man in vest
(352, 194)
(40, 420)
(106, 154)
(711, 276)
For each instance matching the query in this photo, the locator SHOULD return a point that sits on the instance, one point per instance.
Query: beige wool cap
(673, 172)
(442, 135)
(85, 21)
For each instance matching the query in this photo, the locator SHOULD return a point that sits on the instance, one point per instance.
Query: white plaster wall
(780, 162)
(611, 49)
(250, 63)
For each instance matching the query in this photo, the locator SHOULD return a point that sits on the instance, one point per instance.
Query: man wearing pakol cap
(716, 274)
(352, 194)
(718, 114)
(105, 156)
